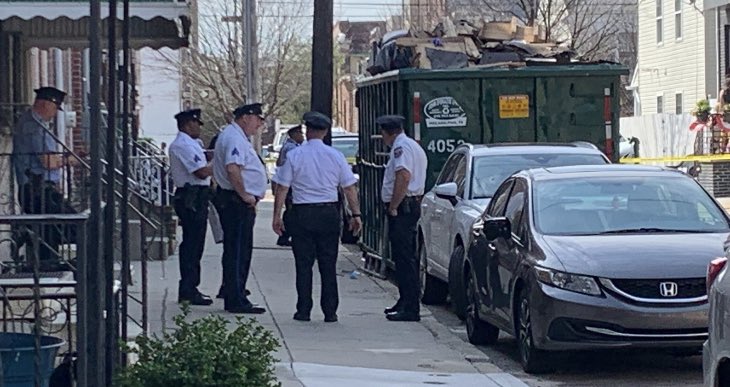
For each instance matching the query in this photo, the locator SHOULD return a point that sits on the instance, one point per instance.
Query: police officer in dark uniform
(242, 183)
(190, 173)
(38, 166)
(404, 181)
(314, 171)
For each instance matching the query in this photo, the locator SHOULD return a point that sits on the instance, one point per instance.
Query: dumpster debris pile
(464, 44)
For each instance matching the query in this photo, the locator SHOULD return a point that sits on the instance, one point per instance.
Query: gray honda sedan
(590, 257)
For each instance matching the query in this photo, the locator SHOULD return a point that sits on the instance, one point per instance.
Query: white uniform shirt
(232, 147)
(186, 157)
(314, 171)
(406, 154)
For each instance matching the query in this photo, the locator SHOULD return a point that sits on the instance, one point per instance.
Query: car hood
(636, 256)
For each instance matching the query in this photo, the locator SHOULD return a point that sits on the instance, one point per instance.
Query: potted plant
(702, 110)
(203, 353)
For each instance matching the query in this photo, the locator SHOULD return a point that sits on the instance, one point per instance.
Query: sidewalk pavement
(362, 349)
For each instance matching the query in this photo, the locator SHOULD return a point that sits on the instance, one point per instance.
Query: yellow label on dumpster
(514, 106)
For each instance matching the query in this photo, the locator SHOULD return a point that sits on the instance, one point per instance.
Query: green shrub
(204, 353)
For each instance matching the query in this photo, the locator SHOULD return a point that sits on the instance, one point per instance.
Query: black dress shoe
(402, 316)
(392, 309)
(330, 318)
(198, 299)
(246, 310)
(301, 317)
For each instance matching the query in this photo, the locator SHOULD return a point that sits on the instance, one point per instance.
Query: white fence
(661, 135)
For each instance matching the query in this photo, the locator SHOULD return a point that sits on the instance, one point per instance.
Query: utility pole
(322, 67)
(250, 54)
(250, 51)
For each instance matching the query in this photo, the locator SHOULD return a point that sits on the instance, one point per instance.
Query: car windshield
(348, 146)
(613, 205)
(490, 171)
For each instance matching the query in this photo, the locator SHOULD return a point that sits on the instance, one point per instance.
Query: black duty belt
(328, 204)
(234, 193)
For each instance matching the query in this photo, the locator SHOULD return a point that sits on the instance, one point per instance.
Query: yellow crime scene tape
(641, 160)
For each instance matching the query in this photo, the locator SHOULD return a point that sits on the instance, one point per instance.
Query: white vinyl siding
(658, 71)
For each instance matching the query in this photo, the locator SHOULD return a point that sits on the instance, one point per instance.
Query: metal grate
(686, 288)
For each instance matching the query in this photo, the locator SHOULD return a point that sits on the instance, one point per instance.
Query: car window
(595, 205)
(348, 146)
(516, 205)
(460, 177)
(447, 173)
(488, 172)
(497, 206)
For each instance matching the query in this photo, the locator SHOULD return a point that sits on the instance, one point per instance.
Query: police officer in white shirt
(242, 183)
(403, 184)
(314, 171)
(190, 173)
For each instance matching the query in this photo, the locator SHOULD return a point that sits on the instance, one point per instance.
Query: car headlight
(567, 281)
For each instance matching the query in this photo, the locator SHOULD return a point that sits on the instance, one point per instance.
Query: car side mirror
(497, 227)
(446, 191)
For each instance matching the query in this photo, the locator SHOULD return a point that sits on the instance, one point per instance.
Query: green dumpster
(444, 108)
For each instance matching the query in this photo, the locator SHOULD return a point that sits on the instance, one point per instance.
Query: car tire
(433, 290)
(457, 287)
(478, 331)
(533, 360)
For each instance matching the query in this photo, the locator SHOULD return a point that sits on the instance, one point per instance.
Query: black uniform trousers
(194, 221)
(237, 220)
(402, 233)
(38, 197)
(315, 231)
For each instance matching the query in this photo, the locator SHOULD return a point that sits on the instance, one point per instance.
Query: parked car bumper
(565, 320)
(708, 364)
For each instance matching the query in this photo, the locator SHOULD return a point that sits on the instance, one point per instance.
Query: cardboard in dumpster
(499, 30)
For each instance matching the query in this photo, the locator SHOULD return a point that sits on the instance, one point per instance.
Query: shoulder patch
(196, 159)
(398, 152)
(235, 152)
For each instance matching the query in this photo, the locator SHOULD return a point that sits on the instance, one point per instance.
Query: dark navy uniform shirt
(30, 141)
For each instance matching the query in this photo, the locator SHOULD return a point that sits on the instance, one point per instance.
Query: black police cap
(189, 115)
(294, 129)
(250, 109)
(317, 120)
(50, 94)
(391, 122)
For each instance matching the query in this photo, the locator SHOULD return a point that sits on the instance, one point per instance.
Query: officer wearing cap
(190, 173)
(295, 138)
(242, 183)
(38, 166)
(314, 171)
(404, 181)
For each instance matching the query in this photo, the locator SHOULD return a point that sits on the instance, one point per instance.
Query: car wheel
(479, 332)
(456, 282)
(433, 290)
(534, 361)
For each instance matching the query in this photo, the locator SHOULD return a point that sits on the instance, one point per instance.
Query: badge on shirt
(397, 152)
(196, 159)
(235, 152)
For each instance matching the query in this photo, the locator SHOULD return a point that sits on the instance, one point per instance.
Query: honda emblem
(668, 289)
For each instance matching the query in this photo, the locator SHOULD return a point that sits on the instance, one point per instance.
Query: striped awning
(64, 24)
